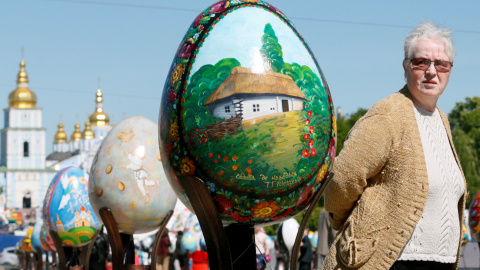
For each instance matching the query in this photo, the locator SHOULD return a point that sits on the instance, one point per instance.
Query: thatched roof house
(243, 81)
(252, 95)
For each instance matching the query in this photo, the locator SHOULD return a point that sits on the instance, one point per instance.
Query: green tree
(272, 50)
(465, 123)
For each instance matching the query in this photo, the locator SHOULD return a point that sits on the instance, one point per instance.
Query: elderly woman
(398, 192)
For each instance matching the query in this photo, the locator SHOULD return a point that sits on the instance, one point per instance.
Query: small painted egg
(189, 242)
(128, 177)
(247, 109)
(45, 238)
(474, 217)
(67, 209)
(36, 236)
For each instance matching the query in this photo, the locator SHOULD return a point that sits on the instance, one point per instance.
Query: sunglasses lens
(424, 64)
(442, 66)
(421, 62)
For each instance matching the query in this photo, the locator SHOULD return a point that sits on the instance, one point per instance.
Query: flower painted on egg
(187, 167)
(265, 209)
(177, 74)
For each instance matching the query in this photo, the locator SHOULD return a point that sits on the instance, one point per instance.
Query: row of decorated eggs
(255, 122)
(126, 177)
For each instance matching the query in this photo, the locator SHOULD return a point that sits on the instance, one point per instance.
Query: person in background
(306, 253)
(398, 191)
(163, 254)
(179, 253)
(262, 248)
(99, 252)
(326, 235)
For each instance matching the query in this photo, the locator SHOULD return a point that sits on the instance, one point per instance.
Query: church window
(25, 149)
(27, 200)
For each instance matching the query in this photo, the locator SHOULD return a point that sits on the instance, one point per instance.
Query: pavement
(470, 256)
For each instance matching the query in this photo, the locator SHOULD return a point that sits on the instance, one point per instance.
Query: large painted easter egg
(474, 216)
(67, 208)
(127, 176)
(247, 109)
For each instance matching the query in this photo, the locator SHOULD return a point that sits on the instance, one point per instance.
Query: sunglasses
(424, 64)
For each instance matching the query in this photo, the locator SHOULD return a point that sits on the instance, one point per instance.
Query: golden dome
(88, 132)
(77, 134)
(99, 117)
(22, 97)
(60, 136)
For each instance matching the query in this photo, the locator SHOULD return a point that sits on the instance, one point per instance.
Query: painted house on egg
(250, 95)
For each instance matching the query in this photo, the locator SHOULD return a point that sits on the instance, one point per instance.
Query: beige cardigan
(380, 187)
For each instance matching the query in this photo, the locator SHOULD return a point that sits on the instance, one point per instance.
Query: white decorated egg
(127, 177)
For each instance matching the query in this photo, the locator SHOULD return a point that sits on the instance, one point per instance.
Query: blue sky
(130, 45)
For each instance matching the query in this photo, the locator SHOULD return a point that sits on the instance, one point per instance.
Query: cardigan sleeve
(365, 153)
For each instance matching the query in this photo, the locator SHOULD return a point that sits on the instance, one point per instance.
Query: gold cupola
(88, 132)
(22, 97)
(99, 117)
(77, 134)
(60, 136)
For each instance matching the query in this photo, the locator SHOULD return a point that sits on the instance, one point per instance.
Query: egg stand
(84, 251)
(235, 241)
(122, 244)
(37, 257)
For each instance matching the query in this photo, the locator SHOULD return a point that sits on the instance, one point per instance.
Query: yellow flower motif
(187, 167)
(265, 210)
(174, 131)
(176, 74)
(321, 174)
(334, 121)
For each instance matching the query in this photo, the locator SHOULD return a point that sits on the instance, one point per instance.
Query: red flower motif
(235, 216)
(313, 152)
(309, 113)
(305, 153)
(223, 204)
(310, 143)
(311, 129)
(220, 7)
(186, 49)
(197, 20)
(305, 196)
(306, 136)
(307, 122)
(171, 96)
(284, 214)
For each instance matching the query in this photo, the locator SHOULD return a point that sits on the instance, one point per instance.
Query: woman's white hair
(429, 30)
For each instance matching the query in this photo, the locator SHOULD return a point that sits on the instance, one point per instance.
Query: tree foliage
(465, 123)
(272, 50)
(344, 124)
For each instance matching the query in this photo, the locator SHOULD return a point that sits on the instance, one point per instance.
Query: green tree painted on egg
(272, 50)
